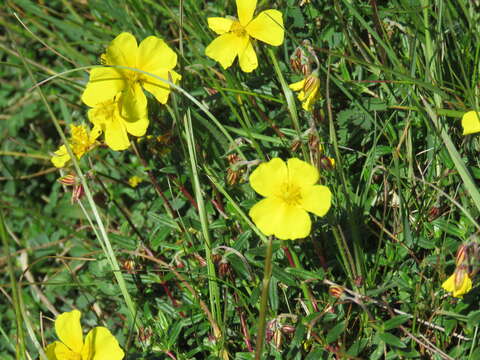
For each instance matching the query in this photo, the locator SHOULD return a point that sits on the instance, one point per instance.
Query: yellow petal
(133, 103)
(158, 88)
(103, 85)
(301, 173)
(58, 351)
(465, 286)
(116, 135)
(123, 50)
(100, 344)
(61, 157)
(69, 330)
(267, 27)
(220, 25)
(154, 53)
(269, 177)
(248, 58)
(50, 351)
(275, 217)
(225, 48)
(297, 85)
(245, 10)
(316, 199)
(470, 123)
(307, 104)
(137, 128)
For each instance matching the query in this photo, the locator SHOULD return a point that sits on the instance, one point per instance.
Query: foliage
(178, 271)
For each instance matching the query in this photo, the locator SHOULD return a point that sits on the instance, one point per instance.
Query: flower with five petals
(99, 343)
(290, 192)
(234, 39)
(153, 55)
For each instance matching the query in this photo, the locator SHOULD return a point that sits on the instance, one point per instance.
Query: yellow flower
(235, 35)
(99, 343)
(106, 115)
(470, 123)
(153, 55)
(134, 181)
(308, 88)
(290, 193)
(81, 141)
(459, 283)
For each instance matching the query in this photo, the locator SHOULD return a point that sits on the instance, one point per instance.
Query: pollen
(290, 194)
(238, 29)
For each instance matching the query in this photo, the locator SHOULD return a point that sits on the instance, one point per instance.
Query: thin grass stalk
(20, 348)
(267, 274)
(109, 253)
(358, 266)
(214, 292)
(292, 109)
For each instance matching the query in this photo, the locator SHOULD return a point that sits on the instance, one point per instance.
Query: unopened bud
(461, 254)
(327, 163)
(336, 291)
(460, 275)
(77, 193)
(312, 82)
(68, 180)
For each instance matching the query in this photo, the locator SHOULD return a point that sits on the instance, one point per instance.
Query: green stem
(214, 292)
(264, 299)
(20, 348)
(290, 103)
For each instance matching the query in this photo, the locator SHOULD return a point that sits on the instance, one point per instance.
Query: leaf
(392, 340)
(335, 332)
(395, 322)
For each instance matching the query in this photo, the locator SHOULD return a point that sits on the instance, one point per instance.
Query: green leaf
(395, 322)
(392, 340)
(335, 332)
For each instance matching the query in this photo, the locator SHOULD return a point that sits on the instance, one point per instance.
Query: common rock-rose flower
(459, 283)
(99, 343)
(235, 34)
(290, 192)
(81, 141)
(125, 87)
(308, 88)
(470, 123)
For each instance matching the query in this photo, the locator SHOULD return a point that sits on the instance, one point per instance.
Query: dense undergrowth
(155, 242)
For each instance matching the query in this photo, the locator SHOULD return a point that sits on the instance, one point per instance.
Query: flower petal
(297, 85)
(220, 25)
(69, 330)
(301, 173)
(137, 128)
(103, 85)
(316, 199)
(61, 157)
(154, 53)
(122, 50)
(158, 88)
(275, 217)
(133, 103)
(310, 100)
(116, 135)
(269, 177)
(470, 123)
(245, 10)
(267, 27)
(248, 58)
(100, 344)
(465, 286)
(225, 48)
(58, 351)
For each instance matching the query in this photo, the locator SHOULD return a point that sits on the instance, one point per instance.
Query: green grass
(175, 267)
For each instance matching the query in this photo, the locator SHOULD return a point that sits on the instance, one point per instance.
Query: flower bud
(68, 180)
(327, 163)
(336, 291)
(78, 192)
(461, 254)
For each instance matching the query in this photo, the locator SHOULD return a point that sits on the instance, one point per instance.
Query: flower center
(80, 140)
(238, 29)
(291, 194)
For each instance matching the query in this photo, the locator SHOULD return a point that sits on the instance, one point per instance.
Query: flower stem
(267, 274)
